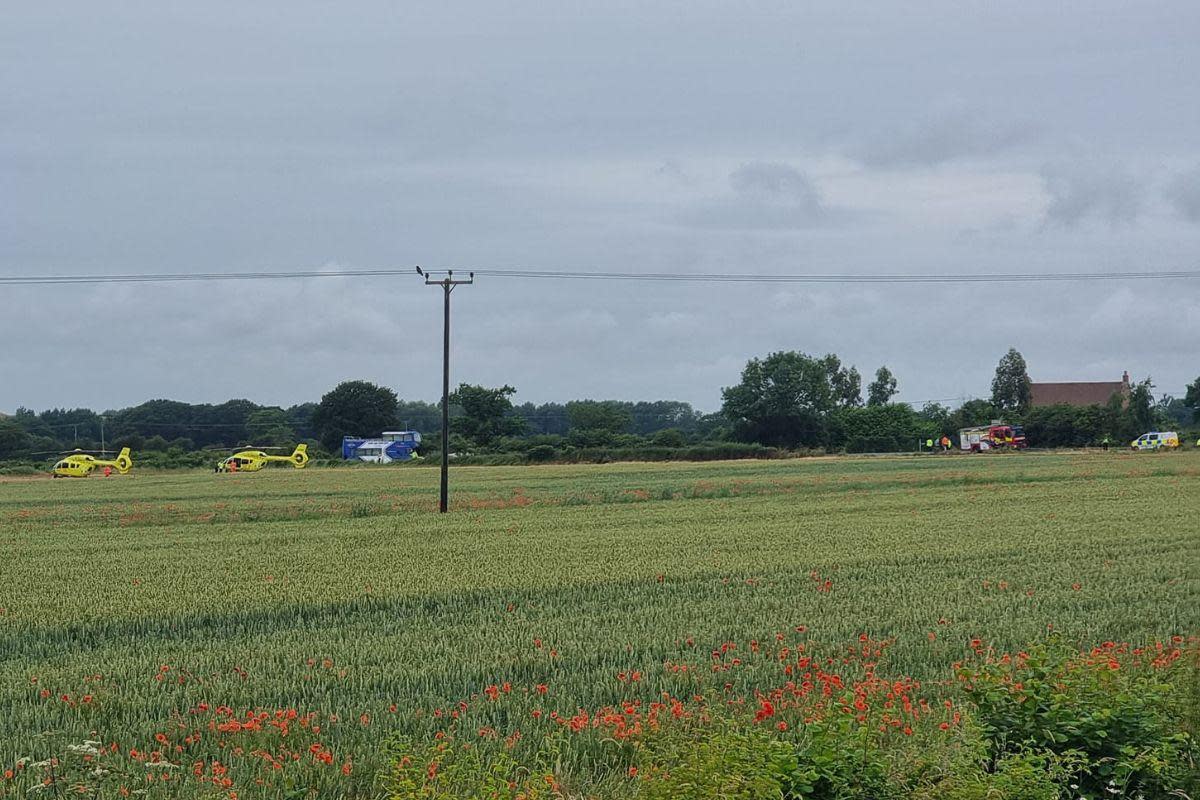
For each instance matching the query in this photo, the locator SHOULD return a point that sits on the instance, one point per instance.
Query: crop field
(281, 634)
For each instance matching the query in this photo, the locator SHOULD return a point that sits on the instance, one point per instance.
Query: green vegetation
(788, 400)
(1049, 723)
(1011, 388)
(310, 630)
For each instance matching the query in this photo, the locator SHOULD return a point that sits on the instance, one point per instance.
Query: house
(1079, 393)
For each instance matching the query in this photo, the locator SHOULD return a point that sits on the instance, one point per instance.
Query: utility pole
(447, 283)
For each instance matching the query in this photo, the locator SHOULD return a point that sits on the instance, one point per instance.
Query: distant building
(1079, 393)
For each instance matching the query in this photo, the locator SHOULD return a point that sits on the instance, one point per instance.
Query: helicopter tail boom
(298, 458)
(122, 463)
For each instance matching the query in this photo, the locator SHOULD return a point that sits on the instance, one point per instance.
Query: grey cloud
(771, 182)
(1080, 191)
(763, 196)
(272, 135)
(951, 132)
(673, 171)
(1184, 194)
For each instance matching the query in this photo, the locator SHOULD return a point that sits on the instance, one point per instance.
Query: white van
(1155, 440)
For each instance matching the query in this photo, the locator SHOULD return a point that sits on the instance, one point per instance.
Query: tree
(156, 443)
(845, 383)
(608, 416)
(1065, 425)
(939, 415)
(1192, 398)
(1115, 421)
(167, 418)
(1139, 411)
(657, 415)
(882, 428)
(969, 415)
(299, 419)
(882, 389)
(13, 439)
(783, 400)
(417, 415)
(1173, 412)
(70, 426)
(353, 408)
(548, 418)
(487, 414)
(1011, 389)
(669, 437)
(269, 427)
(228, 418)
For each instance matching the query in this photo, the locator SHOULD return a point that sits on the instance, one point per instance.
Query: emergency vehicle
(996, 436)
(1155, 440)
(390, 446)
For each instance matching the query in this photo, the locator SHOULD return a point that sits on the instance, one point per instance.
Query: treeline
(791, 399)
(486, 425)
(786, 401)
(355, 408)
(156, 426)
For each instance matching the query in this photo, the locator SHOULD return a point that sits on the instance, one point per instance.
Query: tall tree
(353, 408)
(844, 382)
(783, 399)
(1139, 411)
(487, 414)
(1011, 389)
(882, 389)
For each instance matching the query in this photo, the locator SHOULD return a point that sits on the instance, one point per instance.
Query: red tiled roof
(1077, 394)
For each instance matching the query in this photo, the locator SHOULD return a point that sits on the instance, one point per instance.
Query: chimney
(1125, 378)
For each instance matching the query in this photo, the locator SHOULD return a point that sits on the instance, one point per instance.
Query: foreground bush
(1044, 723)
(1121, 711)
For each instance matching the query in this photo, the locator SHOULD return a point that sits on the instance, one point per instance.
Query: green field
(149, 612)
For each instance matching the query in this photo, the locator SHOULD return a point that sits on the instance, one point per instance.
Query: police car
(1155, 440)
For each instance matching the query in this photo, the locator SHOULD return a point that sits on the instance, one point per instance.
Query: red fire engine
(996, 436)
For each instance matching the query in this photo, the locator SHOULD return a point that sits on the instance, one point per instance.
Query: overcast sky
(694, 136)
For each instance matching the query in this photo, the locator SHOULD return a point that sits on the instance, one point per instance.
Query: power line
(187, 277)
(687, 277)
(662, 277)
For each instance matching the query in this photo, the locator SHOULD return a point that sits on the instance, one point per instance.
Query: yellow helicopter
(79, 464)
(254, 459)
